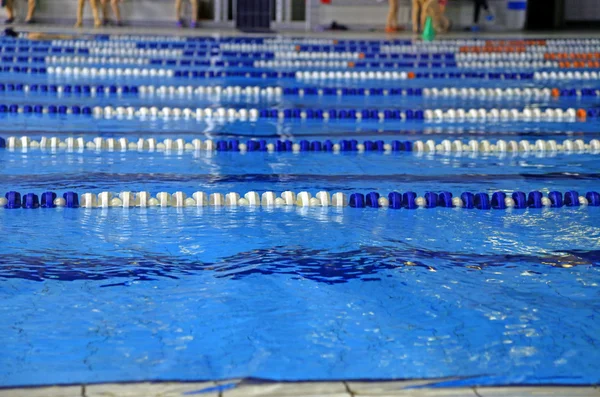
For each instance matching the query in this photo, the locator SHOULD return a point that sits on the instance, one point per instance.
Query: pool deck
(373, 35)
(250, 388)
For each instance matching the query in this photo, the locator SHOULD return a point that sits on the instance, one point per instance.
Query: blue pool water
(295, 293)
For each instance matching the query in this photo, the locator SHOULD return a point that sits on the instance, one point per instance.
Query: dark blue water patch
(364, 264)
(73, 180)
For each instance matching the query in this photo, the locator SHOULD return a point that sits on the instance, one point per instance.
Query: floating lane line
(224, 115)
(446, 146)
(394, 200)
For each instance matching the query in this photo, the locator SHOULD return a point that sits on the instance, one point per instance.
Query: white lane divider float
(108, 72)
(540, 146)
(201, 199)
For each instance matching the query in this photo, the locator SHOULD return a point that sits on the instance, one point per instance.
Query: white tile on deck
(382, 388)
(538, 391)
(299, 389)
(449, 392)
(58, 391)
(148, 389)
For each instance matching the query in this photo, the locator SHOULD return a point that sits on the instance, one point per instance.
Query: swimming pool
(332, 276)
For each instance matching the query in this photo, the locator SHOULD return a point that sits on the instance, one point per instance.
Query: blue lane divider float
(394, 200)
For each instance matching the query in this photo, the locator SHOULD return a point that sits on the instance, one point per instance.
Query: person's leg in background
(80, 7)
(427, 10)
(104, 5)
(10, 11)
(95, 13)
(194, 4)
(178, 13)
(114, 4)
(417, 9)
(391, 24)
(479, 4)
(432, 8)
(30, 11)
(443, 24)
(116, 10)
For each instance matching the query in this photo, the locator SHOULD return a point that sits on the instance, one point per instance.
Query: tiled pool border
(239, 388)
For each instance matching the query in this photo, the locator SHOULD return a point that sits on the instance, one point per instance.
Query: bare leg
(104, 5)
(392, 18)
(194, 4)
(30, 10)
(178, 10)
(416, 11)
(10, 10)
(427, 11)
(444, 24)
(97, 20)
(80, 5)
(116, 10)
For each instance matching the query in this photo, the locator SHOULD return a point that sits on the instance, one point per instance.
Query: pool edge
(237, 387)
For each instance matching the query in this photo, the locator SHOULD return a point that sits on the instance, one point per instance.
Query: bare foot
(97, 24)
(78, 24)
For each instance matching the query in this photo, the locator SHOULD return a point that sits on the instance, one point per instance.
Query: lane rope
(394, 200)
(226, 115)
(489, 93)
(446, 146)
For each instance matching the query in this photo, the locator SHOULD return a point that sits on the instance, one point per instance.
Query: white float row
(362, 75)
(230, 91)
(207, 114)
(395, 75)
(136, 52)
(306, 75)
(501, 146)
(461, 64)
(490, 93)
(108, 72)
(504, 115)
(202, 199)
(395, 64)
(87, 60)
(577, 75)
